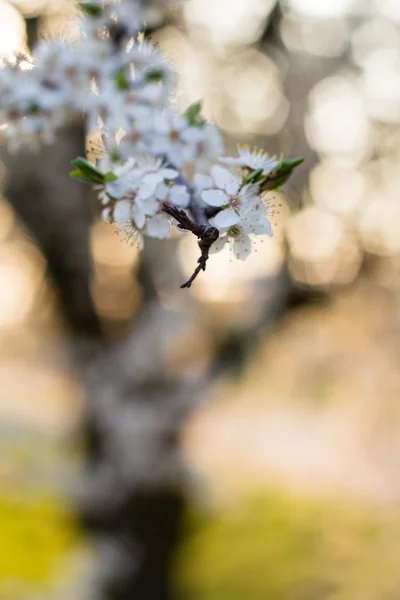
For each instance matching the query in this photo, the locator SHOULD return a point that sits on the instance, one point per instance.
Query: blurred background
(241, 438)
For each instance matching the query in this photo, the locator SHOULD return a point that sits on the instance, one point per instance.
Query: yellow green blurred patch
(36, 532)
(282, 548)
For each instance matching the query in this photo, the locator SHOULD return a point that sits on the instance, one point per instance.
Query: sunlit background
(295, 453)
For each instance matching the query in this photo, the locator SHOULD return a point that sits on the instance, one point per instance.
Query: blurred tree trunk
(132, 500)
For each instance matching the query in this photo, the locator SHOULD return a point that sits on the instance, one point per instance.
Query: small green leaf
(79, 176)
(281, 173)
(289, 165)
(114, 155)
(110, 176)
(88, 170)
(121, 80)
(156, 75)
(192, 114)
(254, 177)
(34, 109)
(91, 9)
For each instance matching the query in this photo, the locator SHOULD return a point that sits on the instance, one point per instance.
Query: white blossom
(209, 147)
(158, 226)
(175, 138)
(252, 159)
(253, 222)
(230, 195)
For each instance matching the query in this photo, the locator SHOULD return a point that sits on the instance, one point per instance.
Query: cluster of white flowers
(134, 200)
(242, 212)
(123, 85)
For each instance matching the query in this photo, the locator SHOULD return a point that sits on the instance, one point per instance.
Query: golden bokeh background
(295, 451)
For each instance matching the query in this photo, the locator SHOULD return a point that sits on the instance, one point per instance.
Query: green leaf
(192, 114)
(114, 155)
(281, 174)
(79, 176)
(88, 170)
(254, 177)
(288, 165)
(91, 9)
(110, 176)
(121, 80)
(156, 75)
(34, 109)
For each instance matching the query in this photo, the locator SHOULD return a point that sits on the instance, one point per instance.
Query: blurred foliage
(38, 533)
(35, 533)
(285, 548)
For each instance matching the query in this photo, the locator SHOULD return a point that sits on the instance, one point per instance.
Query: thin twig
(206, 233)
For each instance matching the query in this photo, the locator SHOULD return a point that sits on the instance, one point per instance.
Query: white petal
(226, 218)
(122, 212)
(214, 197)
(158, 226)
(178, 122)
(202, 182)
(192, 135)
(161, 191)
(268, 166)
(139, 215)
(263, 227)
(213, 140)
(106, 215)
(168, 174)
(161, 123)
(218, 245)
(242, 246)
(152, 178)
(148, 185)
(225, 180)
(116, 189)
(250, 192)
(179, 195)
(150, 206)
(151, 92)
(179, 153)
(229, 160)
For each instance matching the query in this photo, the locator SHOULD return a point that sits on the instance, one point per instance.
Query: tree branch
(206, 233)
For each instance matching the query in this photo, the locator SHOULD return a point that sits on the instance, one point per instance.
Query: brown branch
(206, 233)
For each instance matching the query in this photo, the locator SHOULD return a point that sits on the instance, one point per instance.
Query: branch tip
(207, 235)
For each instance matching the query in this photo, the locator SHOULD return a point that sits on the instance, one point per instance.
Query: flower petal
(179, 195)
(202, 182)
(263, 227)
(214, 197)
(151, 206)
(161, 191)
(106, 215)
(225, 180)
(242, 246)
(147, 188)
(168, 174)
(158, 226)
(218, 244)
(122, 212)
(177, 122)
(139, 215)
(192, 135)
(229, 160)
(226, 218)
